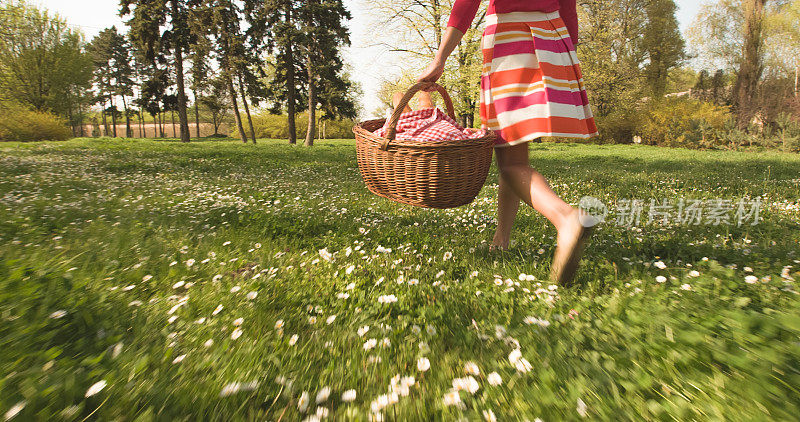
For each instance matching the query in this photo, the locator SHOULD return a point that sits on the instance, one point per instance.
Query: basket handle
(392, 132)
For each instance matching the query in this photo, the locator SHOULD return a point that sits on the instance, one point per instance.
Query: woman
(531, 86)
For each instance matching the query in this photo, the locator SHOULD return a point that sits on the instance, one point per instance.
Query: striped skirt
(531, 83)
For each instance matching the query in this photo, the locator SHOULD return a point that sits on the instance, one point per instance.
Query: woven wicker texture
(420, 172)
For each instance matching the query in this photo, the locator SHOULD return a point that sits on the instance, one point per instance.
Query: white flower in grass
(312, 320)
(423, 364)
(147, 278)
(321, 413)
(189, 263)
(581, 408)
(431, 330)
(494, 378)
(447, 255)
(235, 289)
(324, 254)
(413, 282)
(686, 286)
(323, 394)
(178, 359)
(469, 384)
(96, 388)
(473, 274)
(208, 343)
(236, 333)
(472, 368)
(350, 286)
(216, 278)
(252, 295)
(173, 263)
(217, 310)
(451, 398)
(135, 303)
(514, 356)
(387, 299)
(343, 295)
(751, 279)
(370, 344)
(226, 243)
(660, 265)
(172, 319)
(694, 273)
(238, 322)
(302, 402)
(523, 365)
(330, 319)
(498, 282)
(279, 324)
(129, 288)
(178, 285)
(661, 279)
(489, 416)
(439, 274)
(348, 396)
(363, 330)
(350, 269)
(415, 329)
(58, 314)
(293, 339)
(14, 410)
(386, 342)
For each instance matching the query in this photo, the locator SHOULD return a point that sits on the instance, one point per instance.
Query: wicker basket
(419, 172)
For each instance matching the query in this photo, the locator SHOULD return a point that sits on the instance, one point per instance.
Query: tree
(416, 28)
(113, 70)
(663, 43)
(752, 66)
(43, 63)
(221, 21)
(147, 19)
(217, 102)
(280, 27)
(323, 24)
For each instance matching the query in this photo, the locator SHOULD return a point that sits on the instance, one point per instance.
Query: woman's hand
(432, 73)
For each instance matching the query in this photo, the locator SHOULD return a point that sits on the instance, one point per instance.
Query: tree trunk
(247, 108)
(752, 64)
(114, 117)
(128, 131)
(181, 87)
(105, 121)
(312, 104)
(235, 103)
(290, 80)
(797, 80)
(172, 117)
(197, 113)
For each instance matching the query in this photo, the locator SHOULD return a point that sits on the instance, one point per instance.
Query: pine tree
(146, 22)
(281, 29)
(323, 22)
(221, 20)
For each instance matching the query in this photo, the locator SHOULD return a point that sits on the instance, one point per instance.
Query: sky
(370, 64)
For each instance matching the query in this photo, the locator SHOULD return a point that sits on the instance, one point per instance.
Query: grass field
(144, 280)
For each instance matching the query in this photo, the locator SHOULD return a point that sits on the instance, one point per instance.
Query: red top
(464, 11)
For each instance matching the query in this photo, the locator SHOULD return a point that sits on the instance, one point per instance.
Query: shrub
(617, 127)
(18, 123)
(682, 122)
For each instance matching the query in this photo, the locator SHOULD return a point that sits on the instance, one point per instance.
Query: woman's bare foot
(572, 239)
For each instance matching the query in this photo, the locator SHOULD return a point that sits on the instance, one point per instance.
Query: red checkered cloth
(429, 124)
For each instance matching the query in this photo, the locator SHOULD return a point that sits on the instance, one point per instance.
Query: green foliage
(42, 62)
(115, 256)
(680, 122)
(18, 123)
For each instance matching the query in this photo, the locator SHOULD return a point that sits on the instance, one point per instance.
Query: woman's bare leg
(533, 189)
(507, 207)
(530, 186)
(396, 101)
(425, 100)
